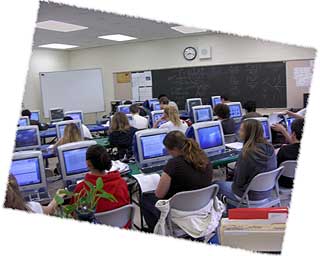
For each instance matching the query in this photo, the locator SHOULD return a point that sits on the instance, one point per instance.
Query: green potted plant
(85, 201)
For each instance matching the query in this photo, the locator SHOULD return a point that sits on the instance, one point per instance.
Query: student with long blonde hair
(189, 169)
(257, 156)
(173, 121)
(71, 133)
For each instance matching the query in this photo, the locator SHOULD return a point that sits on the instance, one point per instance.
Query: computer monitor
(156, 106)
(27, 138)
(130, 119)
(266, 127)
(23, 121)
(151, 101)
(56, 114)
(75, 115)
(210, 137)
(192, 103)
(202, 113)
(72, 159)
(114, 105)
(289, 121)
(149, 148)
(28, 169)
(155, 115)
(35, 115)
(235, 110)
(60, 126)
(124, 109)
(215, 100)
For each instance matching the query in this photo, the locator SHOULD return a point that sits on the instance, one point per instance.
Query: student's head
(119, 122)
(162, 95)
(98, 159)
(71, 133)
(127, 102)
(177, 144)
(134, 109)
(171, 114)
(222, 111)
(250, 106)
(297, 129)
(14, 199)
(67, 118)
(224, 98)
(164, 101)
(26, 112)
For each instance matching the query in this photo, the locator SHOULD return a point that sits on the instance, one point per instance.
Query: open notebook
(147, 182)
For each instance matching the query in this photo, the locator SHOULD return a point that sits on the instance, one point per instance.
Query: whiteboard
(72, 90)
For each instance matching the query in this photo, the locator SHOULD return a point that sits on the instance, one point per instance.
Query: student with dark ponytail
(99, 164)
(189, 169)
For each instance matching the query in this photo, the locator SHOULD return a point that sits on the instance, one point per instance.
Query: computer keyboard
(37, 196)
(226, 154)
(152, 169)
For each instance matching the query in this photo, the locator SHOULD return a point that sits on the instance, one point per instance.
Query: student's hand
(61, 193)
(290, 113)
(278, 128)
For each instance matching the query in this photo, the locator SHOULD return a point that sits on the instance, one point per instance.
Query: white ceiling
(99, 23)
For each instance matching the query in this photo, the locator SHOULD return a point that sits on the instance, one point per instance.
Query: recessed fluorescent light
(117, 37)
(188, 30)
(59, 26)
(58, 46)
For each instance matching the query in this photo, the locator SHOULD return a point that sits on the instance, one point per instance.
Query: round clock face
(190, 53)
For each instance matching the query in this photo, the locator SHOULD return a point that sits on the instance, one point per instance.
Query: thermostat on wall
(205, 52)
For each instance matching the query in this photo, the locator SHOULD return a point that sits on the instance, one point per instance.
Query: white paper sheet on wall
(145, 93)
(142, 85)
(303, 76)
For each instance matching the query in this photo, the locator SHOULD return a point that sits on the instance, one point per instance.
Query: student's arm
(50, 208)
(163, 186)
(157, 122)
(295, 115)
(280, 128)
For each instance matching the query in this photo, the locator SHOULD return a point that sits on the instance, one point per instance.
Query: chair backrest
(195, 199)
(265, 181)
(289, 168)
(118, 217)
(230, 138)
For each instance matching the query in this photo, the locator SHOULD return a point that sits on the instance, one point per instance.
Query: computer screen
(289, 122)
(75, 161)
(130, 118)
(23, 122)
(125, 109)
(203, 114)
(193, 103)
(62, 127)
(26, 171)
(27, 138)
(156, 106)
(152, 101)
(210, 137)
(35, 116)
(217, 101)
(57, 114)
(235, 111)
(157, 116)
(266, 131)
(152, 146)
(75, 116)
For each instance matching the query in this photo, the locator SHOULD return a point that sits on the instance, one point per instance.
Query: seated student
(15, 200)
(99, 163)
(225, 99)
(27, 113)
(171, 115)
(164, 101)
(127, 102)
(189, 169)
(222, 111)
(299, 114)
(250, 107)
(121, 134)
(71, 134)
(291, 151)
(86, 132)
(257, 156)
(139, 122)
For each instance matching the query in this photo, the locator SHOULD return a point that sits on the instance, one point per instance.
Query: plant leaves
(58, 199)
(99, 184)
(108, 196)
(68, 209)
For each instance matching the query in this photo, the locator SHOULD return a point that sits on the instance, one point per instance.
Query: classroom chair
(289, 169)
(190, 201)
(117, 217)
(261, 182)
(230, 138)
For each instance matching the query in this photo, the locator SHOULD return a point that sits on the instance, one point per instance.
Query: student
(71, 134)
(86, 132)
(15, 200)
(250, 107)
(99, 164)
(299, 114)
(121, 134)
(189, 169)
(139, 122)
(291, 151)
(225, 99)
(222, 111)
(257, 156)
(171, 115)
(27, 113)
(164, 101)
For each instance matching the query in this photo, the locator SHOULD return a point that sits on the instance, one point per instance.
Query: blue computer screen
(35, 116)
(156, 117)
(156, 106)
(75, 161)
(26, 171)
(152, 101)
(210, 137)
(26, 138)
(203, 114)
(266, 131)
(152, 146)
(125, 109)
(62, 127)
(23, 122)
(289, 122)
(75, 116)
(235, 111)
(216, 101)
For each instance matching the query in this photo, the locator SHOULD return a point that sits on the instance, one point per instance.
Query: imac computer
(210, 137)
(23, 121)
(155, 106)
(235, 110)
(124, 109)
(192, 103)
(56, 115)
(155, 116)
(60, 126)
(266, 127)
(114, 105)
(215, 100)
(72, 158)
(202, 113)
(35, 115)
(151, 102)
(27, 138)
(75, 115)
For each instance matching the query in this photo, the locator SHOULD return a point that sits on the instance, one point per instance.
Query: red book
(255, 213)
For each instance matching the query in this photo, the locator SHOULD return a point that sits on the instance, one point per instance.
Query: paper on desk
(119, 166)
(274, 118)
(235, 145)
(147, 182)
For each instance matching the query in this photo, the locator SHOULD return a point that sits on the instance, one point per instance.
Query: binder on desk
(273, 215)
